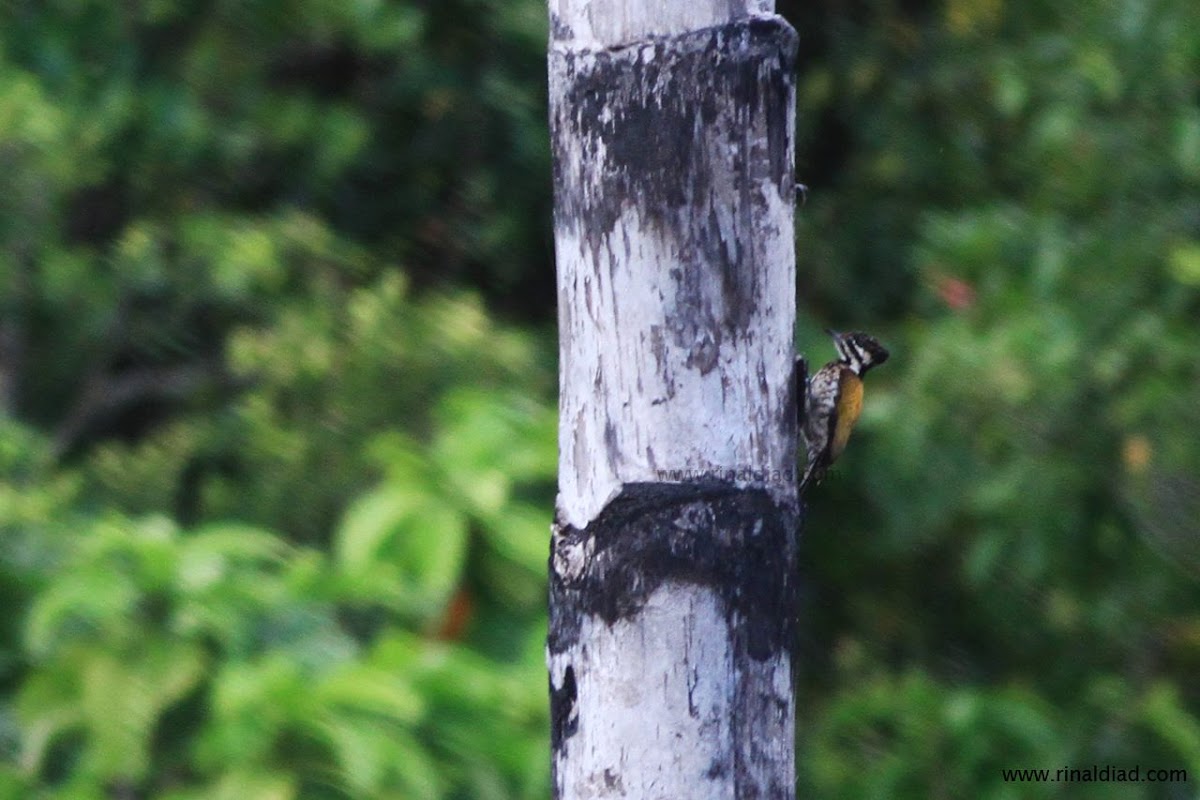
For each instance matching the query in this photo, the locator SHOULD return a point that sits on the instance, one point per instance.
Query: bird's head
(859, 351)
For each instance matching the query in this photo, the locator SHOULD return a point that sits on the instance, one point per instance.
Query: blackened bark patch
(671, 129)
(564, 720)
(736, 541)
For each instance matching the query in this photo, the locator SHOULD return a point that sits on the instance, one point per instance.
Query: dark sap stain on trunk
(672, 128)
(737, 542)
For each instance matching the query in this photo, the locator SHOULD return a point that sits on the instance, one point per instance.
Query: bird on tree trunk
(832, 399)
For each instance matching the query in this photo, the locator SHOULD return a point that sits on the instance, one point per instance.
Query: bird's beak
(837, 337)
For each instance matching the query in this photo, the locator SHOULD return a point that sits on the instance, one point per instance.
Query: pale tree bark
(673, 561)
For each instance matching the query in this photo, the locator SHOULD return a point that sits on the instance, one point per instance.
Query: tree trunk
(672, 594)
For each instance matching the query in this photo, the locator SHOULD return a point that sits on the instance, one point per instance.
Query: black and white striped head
(859, 351)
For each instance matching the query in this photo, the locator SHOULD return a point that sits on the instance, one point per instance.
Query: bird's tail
(810, 472)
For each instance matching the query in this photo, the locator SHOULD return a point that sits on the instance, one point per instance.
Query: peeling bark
(672, 570)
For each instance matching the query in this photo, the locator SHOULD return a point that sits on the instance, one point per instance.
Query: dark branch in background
(106, 396)
(134, 383)
(14, 338)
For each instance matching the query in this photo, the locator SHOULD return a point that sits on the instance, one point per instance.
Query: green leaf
(1184, 263)
(522, 533)
(212, 552)
(239, 784)
(124, 696)
(1164, 711)
(370, 691)
(370, 523)
(418, 539)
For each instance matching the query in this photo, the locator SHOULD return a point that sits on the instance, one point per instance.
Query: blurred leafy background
(277, 377)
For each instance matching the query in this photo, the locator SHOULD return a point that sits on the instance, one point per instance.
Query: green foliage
(271, 523)
(218, 660)
(1015, 533)
(896, 733)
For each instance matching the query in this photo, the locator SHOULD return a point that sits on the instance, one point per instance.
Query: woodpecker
(831, 400)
